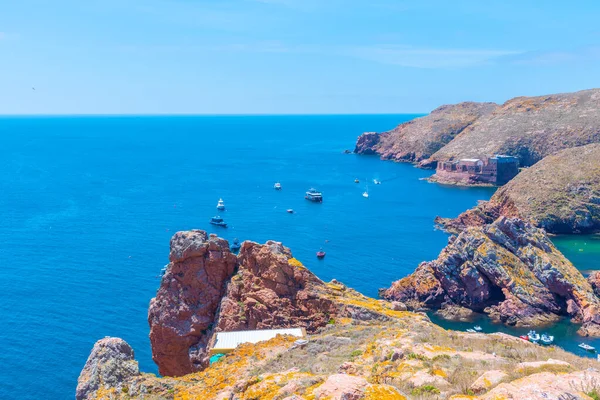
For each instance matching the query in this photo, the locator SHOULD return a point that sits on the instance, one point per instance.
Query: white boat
(547, 339)
(471, 331)
(220, 205)
(277, 186)
(533, 336)
(587, 347)
(477, 328)
(377, 181)
(366, 193)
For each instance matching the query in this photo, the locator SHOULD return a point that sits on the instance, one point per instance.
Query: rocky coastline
(529, 128)
(357, 348)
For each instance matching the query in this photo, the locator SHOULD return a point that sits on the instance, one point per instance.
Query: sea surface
(89, 205)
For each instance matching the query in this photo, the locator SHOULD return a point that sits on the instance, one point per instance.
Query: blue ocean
(89, 205)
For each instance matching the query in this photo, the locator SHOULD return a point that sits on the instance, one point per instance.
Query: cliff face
(561, 194)
(530, 128)
(420, 138)
(206, 289)
(508, 269)
(272, 289)
(182, 314)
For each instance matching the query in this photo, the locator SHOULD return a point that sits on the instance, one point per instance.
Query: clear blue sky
(289, 56)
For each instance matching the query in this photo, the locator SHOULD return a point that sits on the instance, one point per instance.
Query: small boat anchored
(471, 330)
(477, 328)
(356, 180)
(547, 339)
(235, 246)
(524, 337)
(220, 205)
(533, 336)
(377, 181)
(277, 186)
(290, 210)
(320, 254)
(218, 221)
(313, 195)
(587, 347)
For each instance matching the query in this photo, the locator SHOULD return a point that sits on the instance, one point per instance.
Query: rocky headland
(560, 194)
(529, 128)
(358, 347)
(419, 139)
(508, 269)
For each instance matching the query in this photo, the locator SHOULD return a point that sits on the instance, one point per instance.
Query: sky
(289, 56)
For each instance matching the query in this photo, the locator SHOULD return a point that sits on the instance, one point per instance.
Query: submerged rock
(508, 269)
(109, 368)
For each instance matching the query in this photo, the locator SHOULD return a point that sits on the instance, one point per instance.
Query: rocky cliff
(207, 289)
(508, 269)
(358, 348)
(561, 194)
(420, 138)
(530, 128)
(182, 314)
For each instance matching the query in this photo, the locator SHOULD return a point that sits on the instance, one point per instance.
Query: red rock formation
(199, 294)
(273, 290)
(183, 312)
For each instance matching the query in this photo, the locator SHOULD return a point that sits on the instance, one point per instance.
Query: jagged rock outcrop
(207, 289)
(273, 290)
(420, 138)
(530, 128)
(508, 269)
(561, 194)
(110, 367)
(182, 314)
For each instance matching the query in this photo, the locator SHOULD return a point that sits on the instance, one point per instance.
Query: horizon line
(203, 115)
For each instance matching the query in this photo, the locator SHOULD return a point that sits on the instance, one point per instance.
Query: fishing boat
(587, 347)
(220, 205)
(524, 337)
(314, 195)
(477, 328)
(235, 246)
(218, 221)
(547, 339)
(377, 181)
(471, 330)
(289, 210)
(356, 180)
(533, 336)
(277, 186)
(320, 254)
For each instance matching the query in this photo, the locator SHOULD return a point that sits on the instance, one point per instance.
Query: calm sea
(89, 205)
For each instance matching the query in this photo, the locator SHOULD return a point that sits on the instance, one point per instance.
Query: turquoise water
(90, 203)
(584, 252)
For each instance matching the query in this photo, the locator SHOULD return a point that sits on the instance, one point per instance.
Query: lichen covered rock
(109, 368)
(508, 269)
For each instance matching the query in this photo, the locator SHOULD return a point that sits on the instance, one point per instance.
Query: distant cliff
(358, 348)
(561, 194)
(529, 128)
(420, 138)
